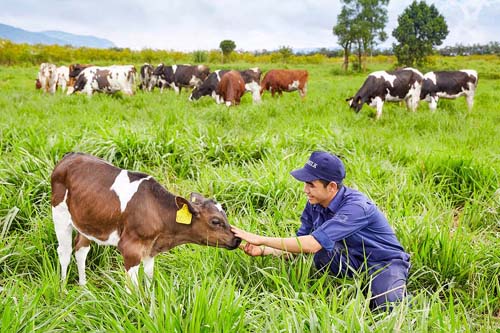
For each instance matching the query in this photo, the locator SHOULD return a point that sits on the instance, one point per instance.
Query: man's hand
(247, 236)
(252, 250)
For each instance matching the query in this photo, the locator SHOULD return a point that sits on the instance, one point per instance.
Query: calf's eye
(216, 222)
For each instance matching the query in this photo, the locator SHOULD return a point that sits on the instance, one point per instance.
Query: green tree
(227, 46)
(360, 24)
(420, 28)
(344, 32)
(286, 52)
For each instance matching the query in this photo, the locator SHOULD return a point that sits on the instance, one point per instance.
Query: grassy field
(435, 176)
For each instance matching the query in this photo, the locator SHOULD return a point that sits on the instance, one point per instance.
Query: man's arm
(300, 244)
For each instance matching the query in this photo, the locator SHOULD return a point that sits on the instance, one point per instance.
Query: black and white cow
(179, 76)
(251, 77)
(449, 85)
(391, 86)
(146, 73)
(109, 79)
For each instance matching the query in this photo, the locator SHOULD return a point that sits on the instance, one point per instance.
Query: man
(346, 232)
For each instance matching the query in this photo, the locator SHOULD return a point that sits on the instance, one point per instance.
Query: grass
(435, 176)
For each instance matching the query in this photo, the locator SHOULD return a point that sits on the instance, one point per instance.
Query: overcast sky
(187, 25)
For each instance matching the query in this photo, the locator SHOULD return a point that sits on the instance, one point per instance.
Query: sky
(188, 25)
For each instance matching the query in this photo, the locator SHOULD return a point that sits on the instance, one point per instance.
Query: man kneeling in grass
(346, 232)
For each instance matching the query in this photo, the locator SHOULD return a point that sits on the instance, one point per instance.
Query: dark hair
(326, 182)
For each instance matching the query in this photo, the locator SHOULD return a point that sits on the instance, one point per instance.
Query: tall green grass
(435, 176)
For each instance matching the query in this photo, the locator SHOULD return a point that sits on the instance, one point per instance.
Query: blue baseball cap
(321, 165)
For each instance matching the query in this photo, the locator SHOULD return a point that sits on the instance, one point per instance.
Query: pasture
(434, 175)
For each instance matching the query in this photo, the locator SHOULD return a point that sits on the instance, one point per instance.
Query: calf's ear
(180, 202)
(197, 197)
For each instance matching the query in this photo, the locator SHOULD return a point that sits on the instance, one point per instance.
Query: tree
(227, 46)
(344, 31)
(420, 28)
(286, 52)
(360, 23)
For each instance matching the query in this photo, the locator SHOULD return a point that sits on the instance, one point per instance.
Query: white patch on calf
(293, 86)
(195, 81)
(174, 68)
(254, 88)
(125, 189)
(217, 72)
(431, 76)
(386, 76)
(62, 226)
(219, 207)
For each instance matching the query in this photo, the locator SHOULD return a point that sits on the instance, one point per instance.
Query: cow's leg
(303, 91)
(82, 248)
(433, 103)
(148, 264)
(379, 106)
(470, 100)
(63, 228)
(131, 252)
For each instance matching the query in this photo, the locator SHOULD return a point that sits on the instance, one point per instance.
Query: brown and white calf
(279, 80)
(130, 210)
(449, 85)
(230, 88)
(62, 77)
(74, 71)
(389, 86)
(109, 79)
(207, 88)
(47, 76)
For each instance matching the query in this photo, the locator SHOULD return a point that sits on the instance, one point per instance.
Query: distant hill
(18, 35)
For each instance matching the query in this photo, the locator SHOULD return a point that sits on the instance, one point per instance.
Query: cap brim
(303, 175)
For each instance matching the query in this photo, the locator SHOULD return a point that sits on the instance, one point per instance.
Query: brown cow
(230, 88)
(130, 210)
(279, 80)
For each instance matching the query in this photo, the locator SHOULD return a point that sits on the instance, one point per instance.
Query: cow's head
(208, 222)
(355, 103)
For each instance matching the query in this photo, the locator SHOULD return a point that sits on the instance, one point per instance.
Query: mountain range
(18, 35)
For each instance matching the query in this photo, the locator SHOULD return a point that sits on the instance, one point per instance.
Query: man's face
(317, 193)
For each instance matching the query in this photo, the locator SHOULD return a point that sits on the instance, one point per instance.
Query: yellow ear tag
(183, 215)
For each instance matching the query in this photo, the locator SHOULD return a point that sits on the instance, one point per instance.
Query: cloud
(254, 25)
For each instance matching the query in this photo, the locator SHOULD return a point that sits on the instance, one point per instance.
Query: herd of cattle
(228, 86)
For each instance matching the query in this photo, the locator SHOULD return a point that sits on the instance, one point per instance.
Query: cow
(130, 210)
(62, 77)
(47, 76)
(106, 79)
(146, 73)
(279, 80)
(74, 71)
(251, 77)
(38, 84)
(179, 76)
(391, 86)
(230, 88)
(449, 85)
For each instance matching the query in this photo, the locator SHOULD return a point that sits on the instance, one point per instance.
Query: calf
(146, 73)
(391, 86)
(47, 76)
(179, 76)
(450, 85)
(130, 210)
(62, 77)
(279, 80)
(251, 77)
(230, 88)
(106, 79)
(74, 71)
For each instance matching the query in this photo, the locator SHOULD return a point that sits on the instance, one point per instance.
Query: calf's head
(207, 220)
(355, 103)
